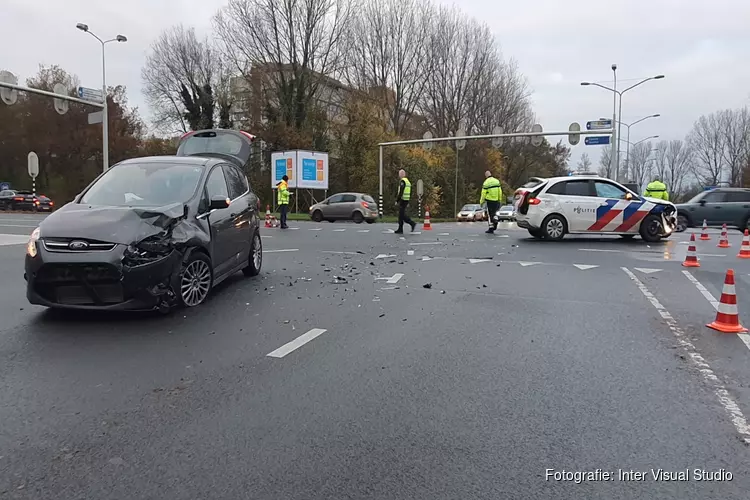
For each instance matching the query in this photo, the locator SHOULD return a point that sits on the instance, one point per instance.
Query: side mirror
(218, 203)
(628, 196)
(702, 203)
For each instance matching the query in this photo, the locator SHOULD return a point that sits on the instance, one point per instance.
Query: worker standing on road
(402, 201)
(657, 189)
(282, 198)
(492, 193)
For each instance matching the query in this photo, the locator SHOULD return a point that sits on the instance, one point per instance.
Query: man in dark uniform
(402, 201)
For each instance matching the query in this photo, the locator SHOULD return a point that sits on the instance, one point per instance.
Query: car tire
(645, 231)
(554, 227)
(682, 222)
(371, 221)
(357, 217)
(317, 216)
(255, 259)
(536, 233)
(195, 280)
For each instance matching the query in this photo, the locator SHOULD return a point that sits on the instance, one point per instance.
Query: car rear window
(368, 198)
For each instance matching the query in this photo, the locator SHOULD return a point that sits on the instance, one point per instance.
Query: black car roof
(201, 161)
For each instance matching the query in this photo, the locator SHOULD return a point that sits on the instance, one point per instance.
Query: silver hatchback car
(346, 206)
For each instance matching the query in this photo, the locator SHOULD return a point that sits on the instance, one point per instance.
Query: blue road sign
(90, 94)
(4, 186)
(597, 140)
(599, 125)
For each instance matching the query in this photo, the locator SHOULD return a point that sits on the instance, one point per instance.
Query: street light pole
(105, 111)
(627, 141)
(616, 137)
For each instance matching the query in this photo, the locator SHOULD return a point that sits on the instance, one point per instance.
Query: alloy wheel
(195, 283)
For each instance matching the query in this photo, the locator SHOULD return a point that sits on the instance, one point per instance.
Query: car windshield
(368, 199)
(506, 207)
(469, 208)
(144, 185)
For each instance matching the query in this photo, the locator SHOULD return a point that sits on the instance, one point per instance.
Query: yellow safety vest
(282, 197)
(406, 195)
(491, 190)
(657, 189)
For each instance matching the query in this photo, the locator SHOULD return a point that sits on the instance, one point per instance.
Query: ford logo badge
(78, 245)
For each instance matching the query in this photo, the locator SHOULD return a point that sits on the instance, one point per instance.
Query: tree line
(343, 75)
(716, 152)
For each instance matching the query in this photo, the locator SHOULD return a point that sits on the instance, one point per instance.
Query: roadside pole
(33, 166)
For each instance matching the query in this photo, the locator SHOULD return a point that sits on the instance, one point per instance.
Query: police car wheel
(554, 227)
(651, 229)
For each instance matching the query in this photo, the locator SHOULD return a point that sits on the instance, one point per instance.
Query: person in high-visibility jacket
(282, 198)
(402, 201)
(657, 189)
(492, 193)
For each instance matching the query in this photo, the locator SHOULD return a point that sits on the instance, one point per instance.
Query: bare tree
(180, 80)
(387, 55)
(673, 165)
(293, 45)
(640, 167)
(708, 141)
(460, 50)
(584, 164)
(735, 127)
(605, 162)
(500, 98)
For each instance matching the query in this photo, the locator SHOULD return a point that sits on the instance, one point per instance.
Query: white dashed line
(341, 253)
(646, 270)
(428, 243)
(384, 256)
(296, 343)
(744, 337)
(282, 250)
(476, 261)
(363, 231)
(315, 229)
(583, 267)
(599, 250)
(444, 234)
(524, 264)
(339, 230)
(725, 399)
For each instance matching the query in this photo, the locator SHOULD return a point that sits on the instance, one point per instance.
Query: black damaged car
(151, 233)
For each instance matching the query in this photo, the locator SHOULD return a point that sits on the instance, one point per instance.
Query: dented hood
(124, 225)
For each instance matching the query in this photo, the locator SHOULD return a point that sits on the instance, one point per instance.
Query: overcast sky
(702, 48)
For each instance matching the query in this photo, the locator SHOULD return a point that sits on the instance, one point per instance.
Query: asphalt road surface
(442, 364)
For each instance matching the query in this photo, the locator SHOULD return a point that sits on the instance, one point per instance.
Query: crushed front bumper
(101, 280)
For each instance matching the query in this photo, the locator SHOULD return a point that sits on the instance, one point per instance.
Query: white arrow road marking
(646, 270)
(475, 261)
(583, 267)
(395, 278)
(384, 256)
(282, 250)
(296, 343)
(524, 264)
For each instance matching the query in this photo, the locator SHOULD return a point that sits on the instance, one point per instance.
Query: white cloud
(701, 47)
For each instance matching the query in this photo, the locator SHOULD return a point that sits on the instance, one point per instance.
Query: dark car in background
(151, 233)
(346, 206)
(730, 206)
(14, 199)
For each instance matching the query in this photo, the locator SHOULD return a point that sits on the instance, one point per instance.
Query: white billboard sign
(284, 163)
(312, 169)
(305, 169)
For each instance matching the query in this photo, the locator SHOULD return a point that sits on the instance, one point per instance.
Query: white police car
(590, 204)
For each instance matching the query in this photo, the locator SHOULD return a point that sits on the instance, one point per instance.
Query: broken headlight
(148, 250)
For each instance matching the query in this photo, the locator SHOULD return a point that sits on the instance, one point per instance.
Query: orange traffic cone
(724, 239)
(727, 318)
(745, 248)
(268, 216)
(691, 259)
(427, 225)
(274, 221)
(704, 232)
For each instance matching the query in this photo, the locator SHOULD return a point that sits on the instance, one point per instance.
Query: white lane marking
(416, 232)
(384, 256)
(395, 278)
(343, 253)
(725, 399)
(426, 258)
(339, 230)
(13, 239)
(524, 264)
(408, 252)
(475, 261)
(502, 235)
(744, 337)
(292, 228)
(360, 231)
(266, 236)
(389, 231)
(296, 343)
(646, 270)
(282, 250)
(428, 243)
(315, 229)
(599, 250)
(711, 255)
(19, 225)
(583, 267)
(444, 234)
